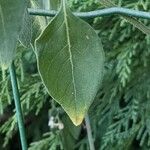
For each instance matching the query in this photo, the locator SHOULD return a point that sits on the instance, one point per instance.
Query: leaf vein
(70, 52)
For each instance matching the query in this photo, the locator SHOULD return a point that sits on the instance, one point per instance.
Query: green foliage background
(120, 114)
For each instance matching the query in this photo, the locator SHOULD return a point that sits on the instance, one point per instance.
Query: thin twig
(89, 133)
(18, 106)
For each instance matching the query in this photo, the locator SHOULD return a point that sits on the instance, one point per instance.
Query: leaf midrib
(70, 52)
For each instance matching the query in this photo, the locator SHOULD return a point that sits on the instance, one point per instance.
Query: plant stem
(19, 114)
(96, 13)
(89, 133)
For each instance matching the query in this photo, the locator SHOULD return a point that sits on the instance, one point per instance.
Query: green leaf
(38, 23)
(25, 36)
(11, 14)
(54, 4)
(70, 60)
(69, 134)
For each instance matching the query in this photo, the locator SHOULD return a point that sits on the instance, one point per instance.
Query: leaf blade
(67, 64)
(10, 25)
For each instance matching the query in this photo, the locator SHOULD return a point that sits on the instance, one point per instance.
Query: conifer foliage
(120, 113)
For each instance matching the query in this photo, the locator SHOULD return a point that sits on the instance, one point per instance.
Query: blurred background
(120, 113)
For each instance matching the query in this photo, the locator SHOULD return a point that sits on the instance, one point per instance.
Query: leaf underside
(25, 36)
(70, 61)
(11, 14)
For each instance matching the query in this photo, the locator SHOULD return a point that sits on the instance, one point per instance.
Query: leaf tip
(77, 120)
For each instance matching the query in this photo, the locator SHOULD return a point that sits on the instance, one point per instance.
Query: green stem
(18, 106)
(96, 13)
(89, 133)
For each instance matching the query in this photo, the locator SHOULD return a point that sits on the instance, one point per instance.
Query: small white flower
(51, 122)
(60, 126)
